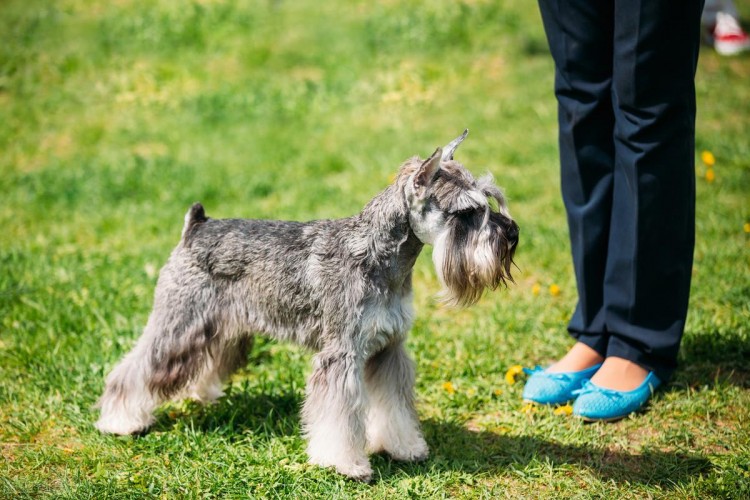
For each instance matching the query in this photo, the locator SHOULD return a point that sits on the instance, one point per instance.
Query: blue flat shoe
(554, 388)
(594, 403)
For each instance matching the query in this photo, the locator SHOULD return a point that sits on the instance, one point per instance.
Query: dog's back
(275, 277)
(226, 248)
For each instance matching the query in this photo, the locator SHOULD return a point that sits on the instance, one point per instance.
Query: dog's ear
(426, 173)
(453, 145)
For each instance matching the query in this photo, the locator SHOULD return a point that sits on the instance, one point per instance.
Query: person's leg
(649, 264)
(710, 9)
(578, 358)
(580, 36)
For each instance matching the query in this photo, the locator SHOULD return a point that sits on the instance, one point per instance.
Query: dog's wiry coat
(339, 287)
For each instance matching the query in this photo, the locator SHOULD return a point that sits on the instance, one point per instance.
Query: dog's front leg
(392, 423)
(333, 415)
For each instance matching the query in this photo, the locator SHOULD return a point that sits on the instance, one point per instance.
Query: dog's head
(465, 219)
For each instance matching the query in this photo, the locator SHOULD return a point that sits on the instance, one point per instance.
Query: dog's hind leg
(333, 415)
(392, 423)
(167, 357)
(224, 359)
(128, 403)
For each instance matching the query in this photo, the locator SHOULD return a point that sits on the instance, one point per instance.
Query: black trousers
(624, 82)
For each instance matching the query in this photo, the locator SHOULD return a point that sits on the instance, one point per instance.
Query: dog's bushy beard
(473, 254)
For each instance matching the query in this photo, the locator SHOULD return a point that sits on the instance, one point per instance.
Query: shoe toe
(595, 406)
(555, 388)
(545, 390)
(597, 403)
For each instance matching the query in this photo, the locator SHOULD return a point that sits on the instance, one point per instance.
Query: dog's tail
(195, 216)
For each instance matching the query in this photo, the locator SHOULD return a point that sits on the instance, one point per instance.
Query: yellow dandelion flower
(536, 289)
(512, 373)
(497, 392)
(448, 387)
(708, 158)
(710, 175)
(471, 392)
(563, 410)
(554, 290)
(528, 408)
(746, 227)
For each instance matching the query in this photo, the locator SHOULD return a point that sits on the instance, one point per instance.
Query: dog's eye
(466, 212)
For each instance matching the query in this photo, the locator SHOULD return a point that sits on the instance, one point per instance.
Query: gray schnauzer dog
(342, 288)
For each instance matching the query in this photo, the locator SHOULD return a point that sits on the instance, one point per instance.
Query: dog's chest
(385, 320)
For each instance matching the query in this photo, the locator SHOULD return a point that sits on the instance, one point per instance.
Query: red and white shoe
(728, 37)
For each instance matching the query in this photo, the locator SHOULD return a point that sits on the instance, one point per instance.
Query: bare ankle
(619, 374)
(578, 358)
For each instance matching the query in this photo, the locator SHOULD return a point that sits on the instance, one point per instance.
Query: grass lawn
(116, 116)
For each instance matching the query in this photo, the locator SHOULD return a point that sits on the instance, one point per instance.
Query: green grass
(115, 116)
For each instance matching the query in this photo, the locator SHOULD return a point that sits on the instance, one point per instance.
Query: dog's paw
(206, 391)
(357, 469)
(404, 446)
(206, 398)
(358, 472)
(415, 451)
(121, 426)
